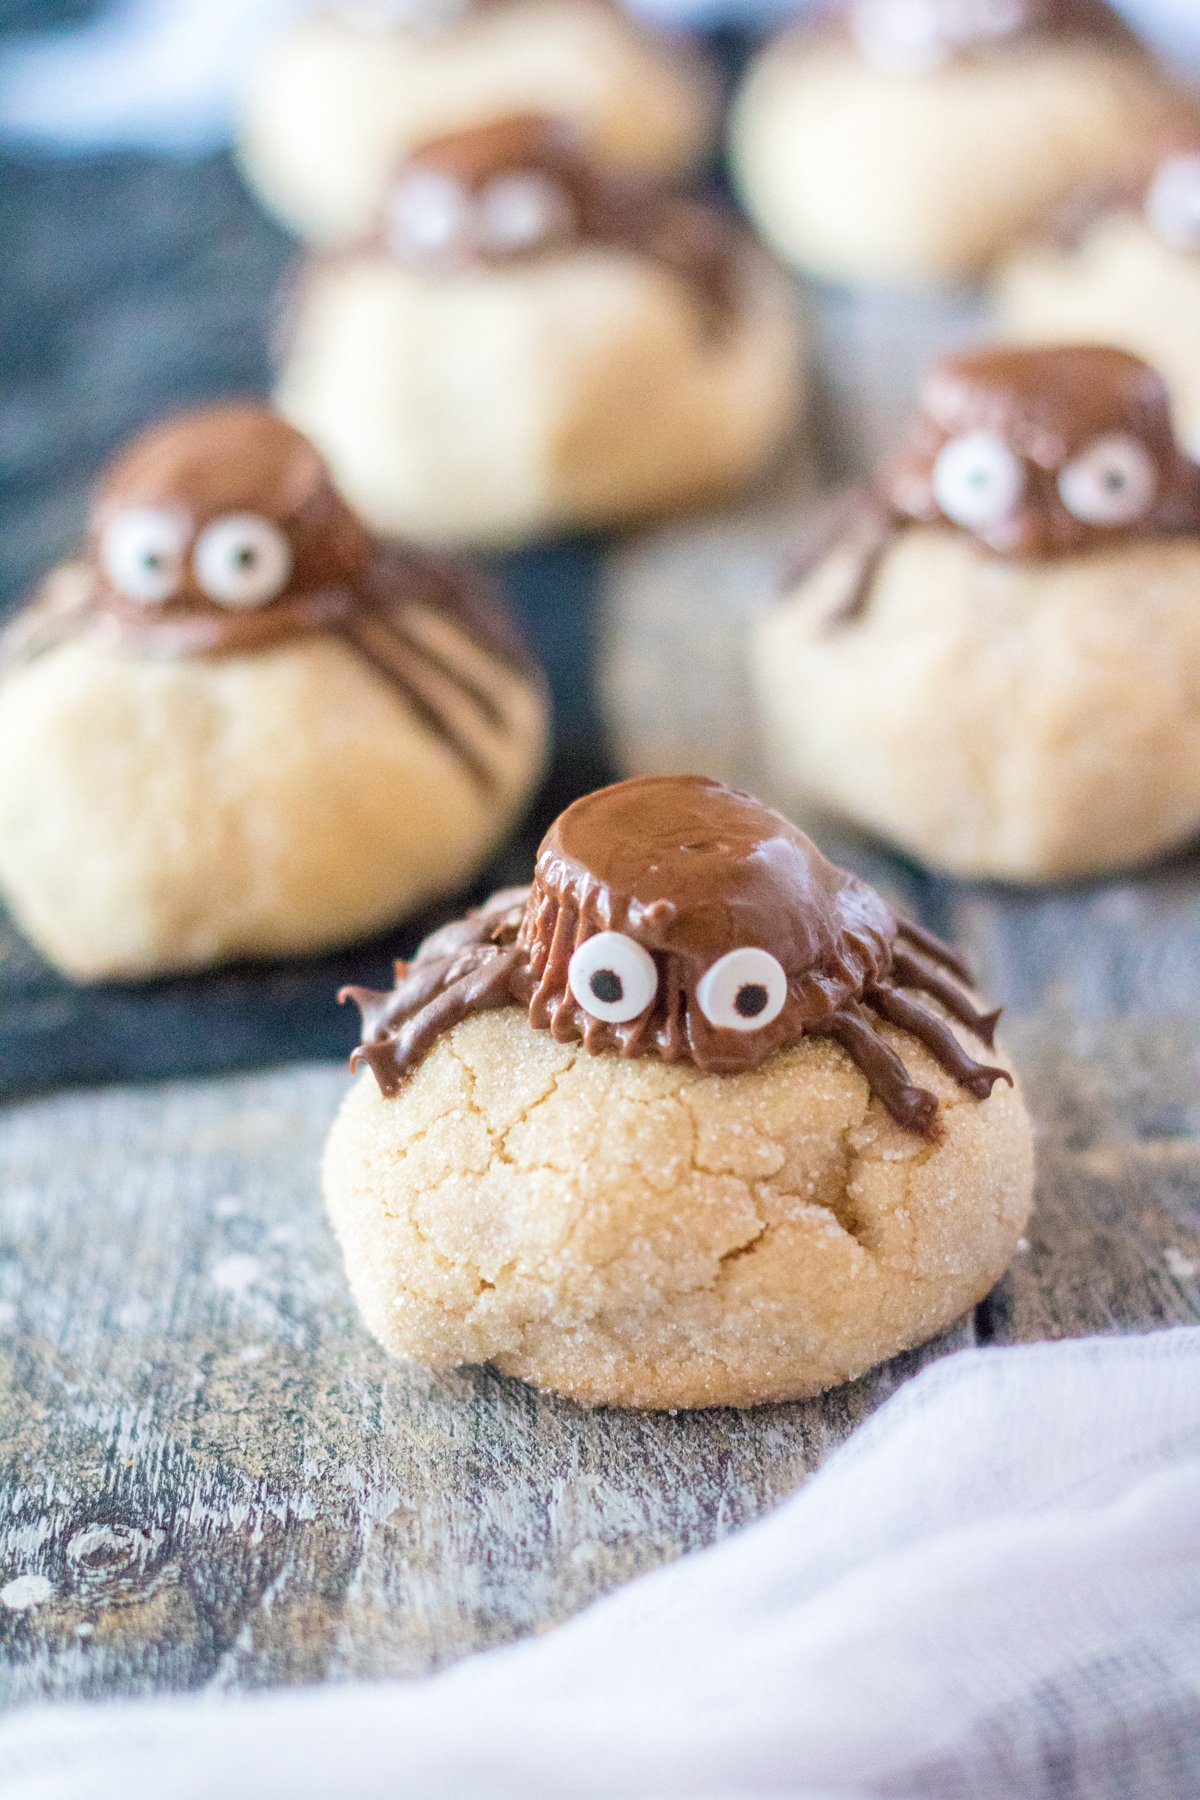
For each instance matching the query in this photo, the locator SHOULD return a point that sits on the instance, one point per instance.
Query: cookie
(239, 727)
(1122, 267)
(350, 92)
(526, 346)
(912, 141)
(695, 1120)
(995, 660)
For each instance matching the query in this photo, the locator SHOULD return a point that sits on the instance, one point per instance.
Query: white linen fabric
(991, 1591)
(169, 75)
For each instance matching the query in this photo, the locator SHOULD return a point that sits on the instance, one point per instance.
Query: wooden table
(211, 1476)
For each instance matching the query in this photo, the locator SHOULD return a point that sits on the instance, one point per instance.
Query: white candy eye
(612, 977)
(522, 210)
(1173, 202)
(977, 479)
(141, 552)
(1111, 483)
(242, 560)
(743, 991)
(426, 214)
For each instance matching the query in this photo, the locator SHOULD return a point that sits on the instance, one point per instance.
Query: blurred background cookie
(995, 661)
(239, 727)
(1123, 268)
(912, 140)
(526, 343)
(344, 97)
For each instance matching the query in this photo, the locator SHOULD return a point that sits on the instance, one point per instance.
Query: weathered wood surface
(212, 1476)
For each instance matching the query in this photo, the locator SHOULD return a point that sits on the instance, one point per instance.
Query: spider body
(673, 916)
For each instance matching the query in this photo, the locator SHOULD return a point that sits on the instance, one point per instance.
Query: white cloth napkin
(170, 74)
(993, 1590)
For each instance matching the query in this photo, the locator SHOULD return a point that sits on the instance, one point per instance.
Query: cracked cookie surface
(639, 1233)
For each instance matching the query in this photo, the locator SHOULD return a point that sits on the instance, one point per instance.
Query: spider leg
(416, 984)
(911, 970)
(484, 984)
(911, 1106)
(935, 947)
(978, 1078)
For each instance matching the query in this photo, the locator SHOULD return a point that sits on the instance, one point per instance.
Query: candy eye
(1172, 202)
(977, 479)
(426, 214)
(522, 210)
(141, 552)
(1111, 483)
(612, 977)
(242, 560)
(743, 991)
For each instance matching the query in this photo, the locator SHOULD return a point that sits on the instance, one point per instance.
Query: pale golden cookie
(994, 660)
(240, 727)
(641, 1234)
(696, 1119)
(1026, 721)
(1120, 285)
(336, 107)
(855, 174)
(506, 403)
(161, 815)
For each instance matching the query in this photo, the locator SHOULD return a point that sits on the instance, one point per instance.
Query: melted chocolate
(690, 871)
(521, 189)
(1047, 406)
(241, 459)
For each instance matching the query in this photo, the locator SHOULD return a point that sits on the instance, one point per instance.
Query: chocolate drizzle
(1046, 408)
(691, 872)
(392, 604)
(522, 189)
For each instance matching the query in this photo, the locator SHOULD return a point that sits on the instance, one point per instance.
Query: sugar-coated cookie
(348, 93)
(1123, 268)
(996, 662)
(912, 141)
(526, 345)
(238, 727)
(695, 1120)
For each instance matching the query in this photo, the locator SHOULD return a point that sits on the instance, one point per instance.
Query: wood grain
(218, 1478)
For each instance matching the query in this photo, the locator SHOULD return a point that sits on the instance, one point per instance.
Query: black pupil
(607, 986)
(750, 1000)
(245, 556)
(153, 559)
(1114, 481)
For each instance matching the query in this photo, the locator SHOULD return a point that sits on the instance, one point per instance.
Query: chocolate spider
(220, 532)
(1033, 453)
(522, 188)
(917, 37)
(673, 916)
